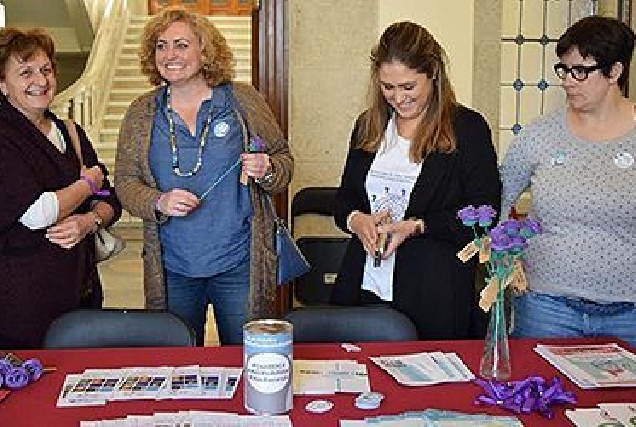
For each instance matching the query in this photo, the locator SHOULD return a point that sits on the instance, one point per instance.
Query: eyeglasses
(578, 72)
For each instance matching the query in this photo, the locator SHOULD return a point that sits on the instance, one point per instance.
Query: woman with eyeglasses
(579, 164)
(185, 166)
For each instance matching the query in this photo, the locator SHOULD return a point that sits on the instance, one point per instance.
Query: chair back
(324, 253)
(350, 324)
(87, 328)
(314, 200)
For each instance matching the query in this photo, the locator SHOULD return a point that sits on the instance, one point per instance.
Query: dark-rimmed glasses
(578, 72)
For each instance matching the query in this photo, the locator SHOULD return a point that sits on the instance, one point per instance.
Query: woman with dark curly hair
(185, 168)
(51, 203)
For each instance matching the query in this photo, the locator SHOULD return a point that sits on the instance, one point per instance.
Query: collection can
(267, 366)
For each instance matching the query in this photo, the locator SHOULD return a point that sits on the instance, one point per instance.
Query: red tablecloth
(35, 405)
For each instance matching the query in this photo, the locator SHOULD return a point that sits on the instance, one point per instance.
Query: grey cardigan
(137, 190)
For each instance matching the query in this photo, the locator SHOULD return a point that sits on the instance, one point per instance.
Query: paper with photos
(142, 383)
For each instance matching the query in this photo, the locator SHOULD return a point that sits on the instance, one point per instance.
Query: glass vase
(495, 362)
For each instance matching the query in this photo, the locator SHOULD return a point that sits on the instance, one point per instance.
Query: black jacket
(431, 285)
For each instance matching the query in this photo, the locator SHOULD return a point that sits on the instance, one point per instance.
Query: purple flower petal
(486, 214)
(468, 215)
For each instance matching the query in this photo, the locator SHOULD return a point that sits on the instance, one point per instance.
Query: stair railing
(85, 100)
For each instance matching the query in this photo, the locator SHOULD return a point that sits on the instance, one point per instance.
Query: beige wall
(328, 67)
(451, 23)
(328, 76)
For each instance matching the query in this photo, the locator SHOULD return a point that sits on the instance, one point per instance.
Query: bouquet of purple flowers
(499, 248)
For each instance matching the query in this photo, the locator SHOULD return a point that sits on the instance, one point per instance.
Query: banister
(85, 100)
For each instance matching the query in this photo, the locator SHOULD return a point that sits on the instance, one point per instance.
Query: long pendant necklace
(173, 140)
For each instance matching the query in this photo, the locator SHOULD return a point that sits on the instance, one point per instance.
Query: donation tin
(267, 366)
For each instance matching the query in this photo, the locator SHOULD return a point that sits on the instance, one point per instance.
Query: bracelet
(93, 187)
(420, 226)
(350, 218)
(267, 178)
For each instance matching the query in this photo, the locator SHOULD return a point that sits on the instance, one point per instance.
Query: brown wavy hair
(412, 45)
(24, 44)
(216, 57)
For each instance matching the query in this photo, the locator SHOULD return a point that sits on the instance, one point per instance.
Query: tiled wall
(529, 87)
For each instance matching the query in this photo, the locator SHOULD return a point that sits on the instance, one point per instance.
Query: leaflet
(592, 366)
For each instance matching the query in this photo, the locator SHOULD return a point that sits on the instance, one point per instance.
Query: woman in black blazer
(416, 158)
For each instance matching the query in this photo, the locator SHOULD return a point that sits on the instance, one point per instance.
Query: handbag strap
(72, 132)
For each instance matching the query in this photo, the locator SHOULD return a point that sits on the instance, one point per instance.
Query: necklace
(173, 140)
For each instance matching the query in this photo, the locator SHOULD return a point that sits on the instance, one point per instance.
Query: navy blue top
(215, 237)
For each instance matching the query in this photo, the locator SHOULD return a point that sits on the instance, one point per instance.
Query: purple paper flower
(468, 215)
(529, 228)
(499, 239)
(486, 214)
(518, 243)
(511, 226)
(256, 144)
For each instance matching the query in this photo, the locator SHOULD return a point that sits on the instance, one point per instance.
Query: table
(35, 405)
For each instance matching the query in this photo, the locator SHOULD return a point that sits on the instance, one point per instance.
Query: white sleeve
(42, 213)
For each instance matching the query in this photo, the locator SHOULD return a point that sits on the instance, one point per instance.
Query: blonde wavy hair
(216, 57)
(413, 46)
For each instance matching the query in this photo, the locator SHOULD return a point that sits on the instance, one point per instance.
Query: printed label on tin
(268, 372)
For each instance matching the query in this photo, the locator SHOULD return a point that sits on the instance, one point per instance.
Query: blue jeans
(545, 316)
(227, 292)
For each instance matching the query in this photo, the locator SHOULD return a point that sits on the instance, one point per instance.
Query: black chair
(324, 253)
(350, 324)
(88, 328)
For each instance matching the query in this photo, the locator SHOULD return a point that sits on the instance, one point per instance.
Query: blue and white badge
(624, 160)
(221, 129)
(558, 159)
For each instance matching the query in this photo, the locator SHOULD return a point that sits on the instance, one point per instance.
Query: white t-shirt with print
(389, 184)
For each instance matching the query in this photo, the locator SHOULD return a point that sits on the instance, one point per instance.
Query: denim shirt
(215, 237)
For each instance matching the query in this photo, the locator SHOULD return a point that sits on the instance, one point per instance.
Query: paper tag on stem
(469, 251)
(488, 295)
(519, 282)
(484, 250)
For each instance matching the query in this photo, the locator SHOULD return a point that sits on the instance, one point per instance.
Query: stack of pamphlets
(607, 414)
(330, 377)
(98, 386)
(593, 365)
(425, 368)
(194, 419)
(435, 418)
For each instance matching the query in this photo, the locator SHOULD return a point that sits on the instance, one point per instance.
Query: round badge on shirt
(624, 160)
(221, 129)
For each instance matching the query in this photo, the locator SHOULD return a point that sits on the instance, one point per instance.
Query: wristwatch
(98, 220)
(267, 178)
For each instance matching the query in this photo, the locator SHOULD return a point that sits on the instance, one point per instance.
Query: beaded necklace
(173, 140)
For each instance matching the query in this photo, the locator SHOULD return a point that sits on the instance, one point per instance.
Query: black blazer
(431, 285)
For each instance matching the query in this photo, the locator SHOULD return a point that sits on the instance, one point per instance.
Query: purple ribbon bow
(532, 394)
